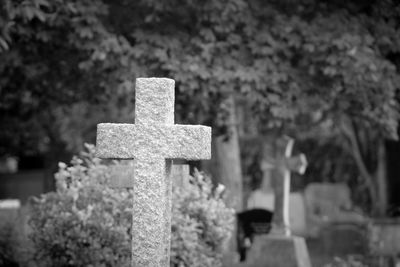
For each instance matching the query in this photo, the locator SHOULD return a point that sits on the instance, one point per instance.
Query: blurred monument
(279, 248)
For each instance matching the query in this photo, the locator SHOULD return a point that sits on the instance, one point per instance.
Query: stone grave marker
(9, 209)
(282, 163)
(280, 248)
(180, 173)
(153, 142)
(122, 175)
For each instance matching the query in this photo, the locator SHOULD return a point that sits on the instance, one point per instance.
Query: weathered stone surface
(153, 141)
(123, 141)
(154, 101)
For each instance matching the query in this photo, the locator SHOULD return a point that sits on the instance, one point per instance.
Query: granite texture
(124, 141)
(153, 141)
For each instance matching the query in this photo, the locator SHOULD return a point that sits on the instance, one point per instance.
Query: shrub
(87, 223)
(201, 224)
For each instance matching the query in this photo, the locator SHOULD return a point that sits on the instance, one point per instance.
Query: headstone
(10, 204)
(279, 158)
(121, 175)
(259, 199)
(250, 223)
(180, 174)
(279, 248)
(329, 204)
(384, 237)
(153, 142)
(9, 209)
(8, 165)
(343, 239)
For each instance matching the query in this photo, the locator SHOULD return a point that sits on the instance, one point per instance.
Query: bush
(87, 223)
(201, 224)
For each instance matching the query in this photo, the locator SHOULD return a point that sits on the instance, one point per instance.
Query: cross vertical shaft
(282, 163)
(151, 220)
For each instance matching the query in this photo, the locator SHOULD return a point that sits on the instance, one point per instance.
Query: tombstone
(297, 217)
(343, 239)
(250, 223)
(263, 197)
(180, 173)
(121, 175)
(280, 248)
(330, 204)
(384, 236)
(259, 199)
(153, 142)
(9, 209)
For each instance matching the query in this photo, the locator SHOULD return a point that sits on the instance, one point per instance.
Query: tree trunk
(349, 131)
(225, 167)
(226, 156)
(381, 180)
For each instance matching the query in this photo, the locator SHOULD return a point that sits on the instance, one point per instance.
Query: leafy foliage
(58, 63)
(297, 64)
(87, 223)
(314, 60)
(307, 68)
(200, 225)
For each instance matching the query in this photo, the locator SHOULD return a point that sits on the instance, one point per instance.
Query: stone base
(278, 251)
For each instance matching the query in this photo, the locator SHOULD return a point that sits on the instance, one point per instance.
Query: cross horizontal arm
(297, 163)
(191, 142)
(116, 140)
(127, 141)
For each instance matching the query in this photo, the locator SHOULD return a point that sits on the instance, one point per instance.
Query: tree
(61, 71)
(319, 69)
(304, 66)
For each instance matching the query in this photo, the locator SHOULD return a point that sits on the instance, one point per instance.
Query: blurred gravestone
(250, 223)
(384, 239)
(297, 216)
(330, 204)
(9, 209)
(279, 248)
(153, 141)
(341, 239)
(122, 175)
(180, 173)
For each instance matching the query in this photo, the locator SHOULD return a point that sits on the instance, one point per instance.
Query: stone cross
(153, 142)
(278, 158)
